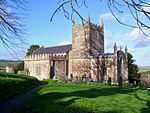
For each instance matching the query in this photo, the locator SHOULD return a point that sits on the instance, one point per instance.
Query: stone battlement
(44, 56)
(92, 25)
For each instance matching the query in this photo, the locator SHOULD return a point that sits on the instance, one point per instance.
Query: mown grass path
(15, 90)
(16, 102)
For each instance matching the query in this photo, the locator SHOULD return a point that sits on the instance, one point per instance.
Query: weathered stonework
(84, 58)
(46, 62)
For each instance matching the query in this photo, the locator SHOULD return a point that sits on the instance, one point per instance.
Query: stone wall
(78, 67)
(94, 69)
(32, 66)
(87, 41)
(145, 79)
(78, 56)
(60, 68)
(80, 42)
(41, 66)
(9, 69)
(96, 41)
(107, 68)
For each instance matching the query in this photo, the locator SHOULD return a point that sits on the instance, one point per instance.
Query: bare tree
(11, 27)
(136, 8)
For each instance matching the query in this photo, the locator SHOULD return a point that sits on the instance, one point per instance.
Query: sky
(40, 30)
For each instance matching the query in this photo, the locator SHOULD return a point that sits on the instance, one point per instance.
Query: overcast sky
(43, 32)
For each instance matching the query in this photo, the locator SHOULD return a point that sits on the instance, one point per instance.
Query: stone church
(85, 57)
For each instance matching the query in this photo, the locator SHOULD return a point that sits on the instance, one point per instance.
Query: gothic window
(38, 70)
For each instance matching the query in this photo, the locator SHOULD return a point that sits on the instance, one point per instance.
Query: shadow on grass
(147, 109)
(61, 102)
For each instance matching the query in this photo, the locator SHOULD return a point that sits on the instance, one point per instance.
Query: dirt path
(16, 102)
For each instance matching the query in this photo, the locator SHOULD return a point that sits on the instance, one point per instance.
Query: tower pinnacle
(102, 26)
(120, 48)
(89, 19)
(102, 23)
(73, 21)
(115, 48)
(126, 48)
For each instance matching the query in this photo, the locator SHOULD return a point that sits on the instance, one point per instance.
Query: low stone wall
(145, 80)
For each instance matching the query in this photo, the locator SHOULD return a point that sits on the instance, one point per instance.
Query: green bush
(13, 84)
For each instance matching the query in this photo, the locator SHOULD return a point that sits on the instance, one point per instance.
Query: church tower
(87, 42)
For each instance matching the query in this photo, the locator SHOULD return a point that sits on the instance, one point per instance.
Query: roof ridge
(58, 46)
(54, 49)
(38, 49)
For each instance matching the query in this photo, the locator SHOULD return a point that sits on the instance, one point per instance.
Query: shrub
(13, 84)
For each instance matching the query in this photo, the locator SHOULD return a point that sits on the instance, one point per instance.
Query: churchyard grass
(13, 84)
(87, 98)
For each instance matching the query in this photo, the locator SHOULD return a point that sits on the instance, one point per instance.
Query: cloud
(142, 42)
(139, 39)
(111, 38)
(107, 16)
(64, 43)
(108, 39)
(134, 34)
(146, 7)
(109, 44)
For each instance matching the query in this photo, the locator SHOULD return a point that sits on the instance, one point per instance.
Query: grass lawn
(82, 98)
(13, 84)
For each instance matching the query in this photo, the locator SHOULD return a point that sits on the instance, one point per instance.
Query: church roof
(54, 49)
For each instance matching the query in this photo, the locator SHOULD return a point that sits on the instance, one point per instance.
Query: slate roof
(106, 54)
(54, 49)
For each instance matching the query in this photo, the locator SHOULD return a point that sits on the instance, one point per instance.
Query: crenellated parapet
(90, 25)
(45, 56)
(95, 26)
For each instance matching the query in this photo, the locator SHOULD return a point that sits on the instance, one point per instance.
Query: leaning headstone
(55, 78)
(76, 80)
(19, 72)
(87, 79)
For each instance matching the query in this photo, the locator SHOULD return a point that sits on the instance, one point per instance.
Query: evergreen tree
(32, 49)
(133, 69)
(20, 66)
